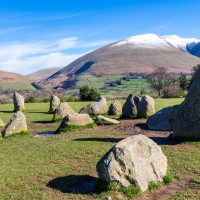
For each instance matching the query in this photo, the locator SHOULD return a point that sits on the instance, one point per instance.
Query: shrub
(168, 178)
(88, 93)
(172, 91)
(31, 99)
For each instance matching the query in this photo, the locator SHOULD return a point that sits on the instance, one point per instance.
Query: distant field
(127, 87)
(17, 86)
(30, 164)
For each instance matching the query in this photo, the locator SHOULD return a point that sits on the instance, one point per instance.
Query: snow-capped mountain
(155, 41)
(136, 54)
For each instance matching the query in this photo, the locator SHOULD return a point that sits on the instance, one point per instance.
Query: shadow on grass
(44, 122)
(76, 184)
(6, 111)
(112, 140)
(41, 112)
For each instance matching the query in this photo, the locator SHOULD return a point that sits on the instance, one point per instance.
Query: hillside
(10, 80)
(137, 54)
(42, 74)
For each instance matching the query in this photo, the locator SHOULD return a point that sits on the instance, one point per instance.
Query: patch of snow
(146, 40)
(178, 42)
(154, 41)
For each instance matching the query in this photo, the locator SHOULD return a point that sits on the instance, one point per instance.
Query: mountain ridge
(135, 54)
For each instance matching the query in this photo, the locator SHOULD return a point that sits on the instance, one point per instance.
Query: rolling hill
(42, 74)
(10, 80)
(137, 54)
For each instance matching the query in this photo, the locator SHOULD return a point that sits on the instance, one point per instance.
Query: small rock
(105, 120)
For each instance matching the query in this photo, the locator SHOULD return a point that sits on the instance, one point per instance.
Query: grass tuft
(131, 191)
(154, 185)
(168, 178)
(19, 135)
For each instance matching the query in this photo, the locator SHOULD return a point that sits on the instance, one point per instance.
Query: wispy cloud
(25, 58)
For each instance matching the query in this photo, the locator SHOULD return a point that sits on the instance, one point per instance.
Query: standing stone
(138, 107)
(98, 107)
(18, 102)
(2, 123)
(161, 119)
(115, 108)
(62, 110)
(146, 107)
(186, 120)
(75, 119)
(130, 106)
(136, 160)
(54, 102)
(17, 124)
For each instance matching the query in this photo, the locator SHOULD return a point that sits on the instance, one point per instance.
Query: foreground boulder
(105, 120)
(17, 124)
(138, 107)
(54, 103)
(115, 108)
(18, 102)
(62, 110)
(186, 120)
(98, 107)
(75, 119)
(136, 160)
(161, 119)
(2, 123)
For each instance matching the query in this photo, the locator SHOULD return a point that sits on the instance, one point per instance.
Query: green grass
(29, 164)
(127, 87)
(17, 86)
(154, 185)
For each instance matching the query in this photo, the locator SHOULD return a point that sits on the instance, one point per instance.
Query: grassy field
(46, 167)
(17, 86)
(127, 87)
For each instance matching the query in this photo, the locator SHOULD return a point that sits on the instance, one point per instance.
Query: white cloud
(29, 57)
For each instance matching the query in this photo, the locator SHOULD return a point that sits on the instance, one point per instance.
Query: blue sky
(47, 33)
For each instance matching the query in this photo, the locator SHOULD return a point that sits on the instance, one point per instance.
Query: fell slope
(42, 74)
(137, 54)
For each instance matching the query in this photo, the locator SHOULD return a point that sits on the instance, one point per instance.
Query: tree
(183, 81)
(160, 79)
(87, 93)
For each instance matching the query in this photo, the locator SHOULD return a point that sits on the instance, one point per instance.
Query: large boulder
(95, 108)
(161, 119)
(115, 108)
(54, 103)
(138, 107)
(105, 120)
(18, 102)
(136, 160)
(62, 110)
(2, 123)
(75, 119)
(186, 120)
(17, 124)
